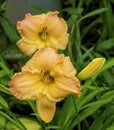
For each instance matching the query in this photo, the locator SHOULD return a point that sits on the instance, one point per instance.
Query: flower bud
(92, 68)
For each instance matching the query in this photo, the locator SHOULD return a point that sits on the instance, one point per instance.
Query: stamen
(43, 34)
(46, 77)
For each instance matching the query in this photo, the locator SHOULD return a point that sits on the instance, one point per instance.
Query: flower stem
(76, 110)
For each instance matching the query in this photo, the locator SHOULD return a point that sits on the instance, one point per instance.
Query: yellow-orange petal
(26, 85)
(44, 59)
(57, 29)
(25, 47)
(60, 43)
(62, 87)
(63, 41)
(46, 109)
(66, 68)
(69, 68)
(30, 26)
(68, 84)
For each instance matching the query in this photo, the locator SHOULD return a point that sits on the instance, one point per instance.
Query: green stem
(76, 110)
(70, 43)
(80, 3)
(33, 106)
(5, 89)
(11, 117)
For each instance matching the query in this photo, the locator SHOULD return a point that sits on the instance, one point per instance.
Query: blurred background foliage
(91, 29)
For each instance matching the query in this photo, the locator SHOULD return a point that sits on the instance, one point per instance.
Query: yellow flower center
(46, 77)
(43, 34)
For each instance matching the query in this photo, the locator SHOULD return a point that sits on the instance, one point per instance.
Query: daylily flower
(92, 68)
(48, 77)
(38, 31)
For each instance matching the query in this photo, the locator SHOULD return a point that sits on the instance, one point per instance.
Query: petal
(66, 68)
(30, 26)
(26, 48)
(55, 94)
(70, 85)
(62, 87)
(46, 109)
(26, 85)
(62, 42)
(69, 68)
(44, 59)
(59, 43)
(57, 28)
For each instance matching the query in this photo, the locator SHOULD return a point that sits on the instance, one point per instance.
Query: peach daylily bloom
(48, 78)
(38, 31)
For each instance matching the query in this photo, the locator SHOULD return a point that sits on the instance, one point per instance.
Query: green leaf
(3, 42)
(2, 6)
(11, 117)
(86, 29)
(90, 108)
(2, 122)
(99, 120)
(108, 18)
(92, 13)
(66, 112)
(9, 29)
(53, 127)
(11, 126)
(108, 64)
(88, 2)
(5, 67)
(85, 99)
(87, 53)
(108, 78)
(105, 45)
(112, 1)
(5, 89)
(30, 123)
(3, 101)
(71, 11)
(111, 127)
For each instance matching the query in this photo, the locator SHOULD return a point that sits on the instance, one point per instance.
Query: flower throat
(43, 34)
(46, 77)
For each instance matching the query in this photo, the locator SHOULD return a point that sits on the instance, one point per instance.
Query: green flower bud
(92, 68)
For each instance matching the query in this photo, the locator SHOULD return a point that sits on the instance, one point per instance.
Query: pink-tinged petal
(46, 109)
(57, 29)
(54, 42)
(55, 94)
(44, 59)
(26, 48)
(30, 26)
(69, 69)
(70, 85)
(66, 68)
(59, 43)
(26, 85)
(63, 41)
(62, 87)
